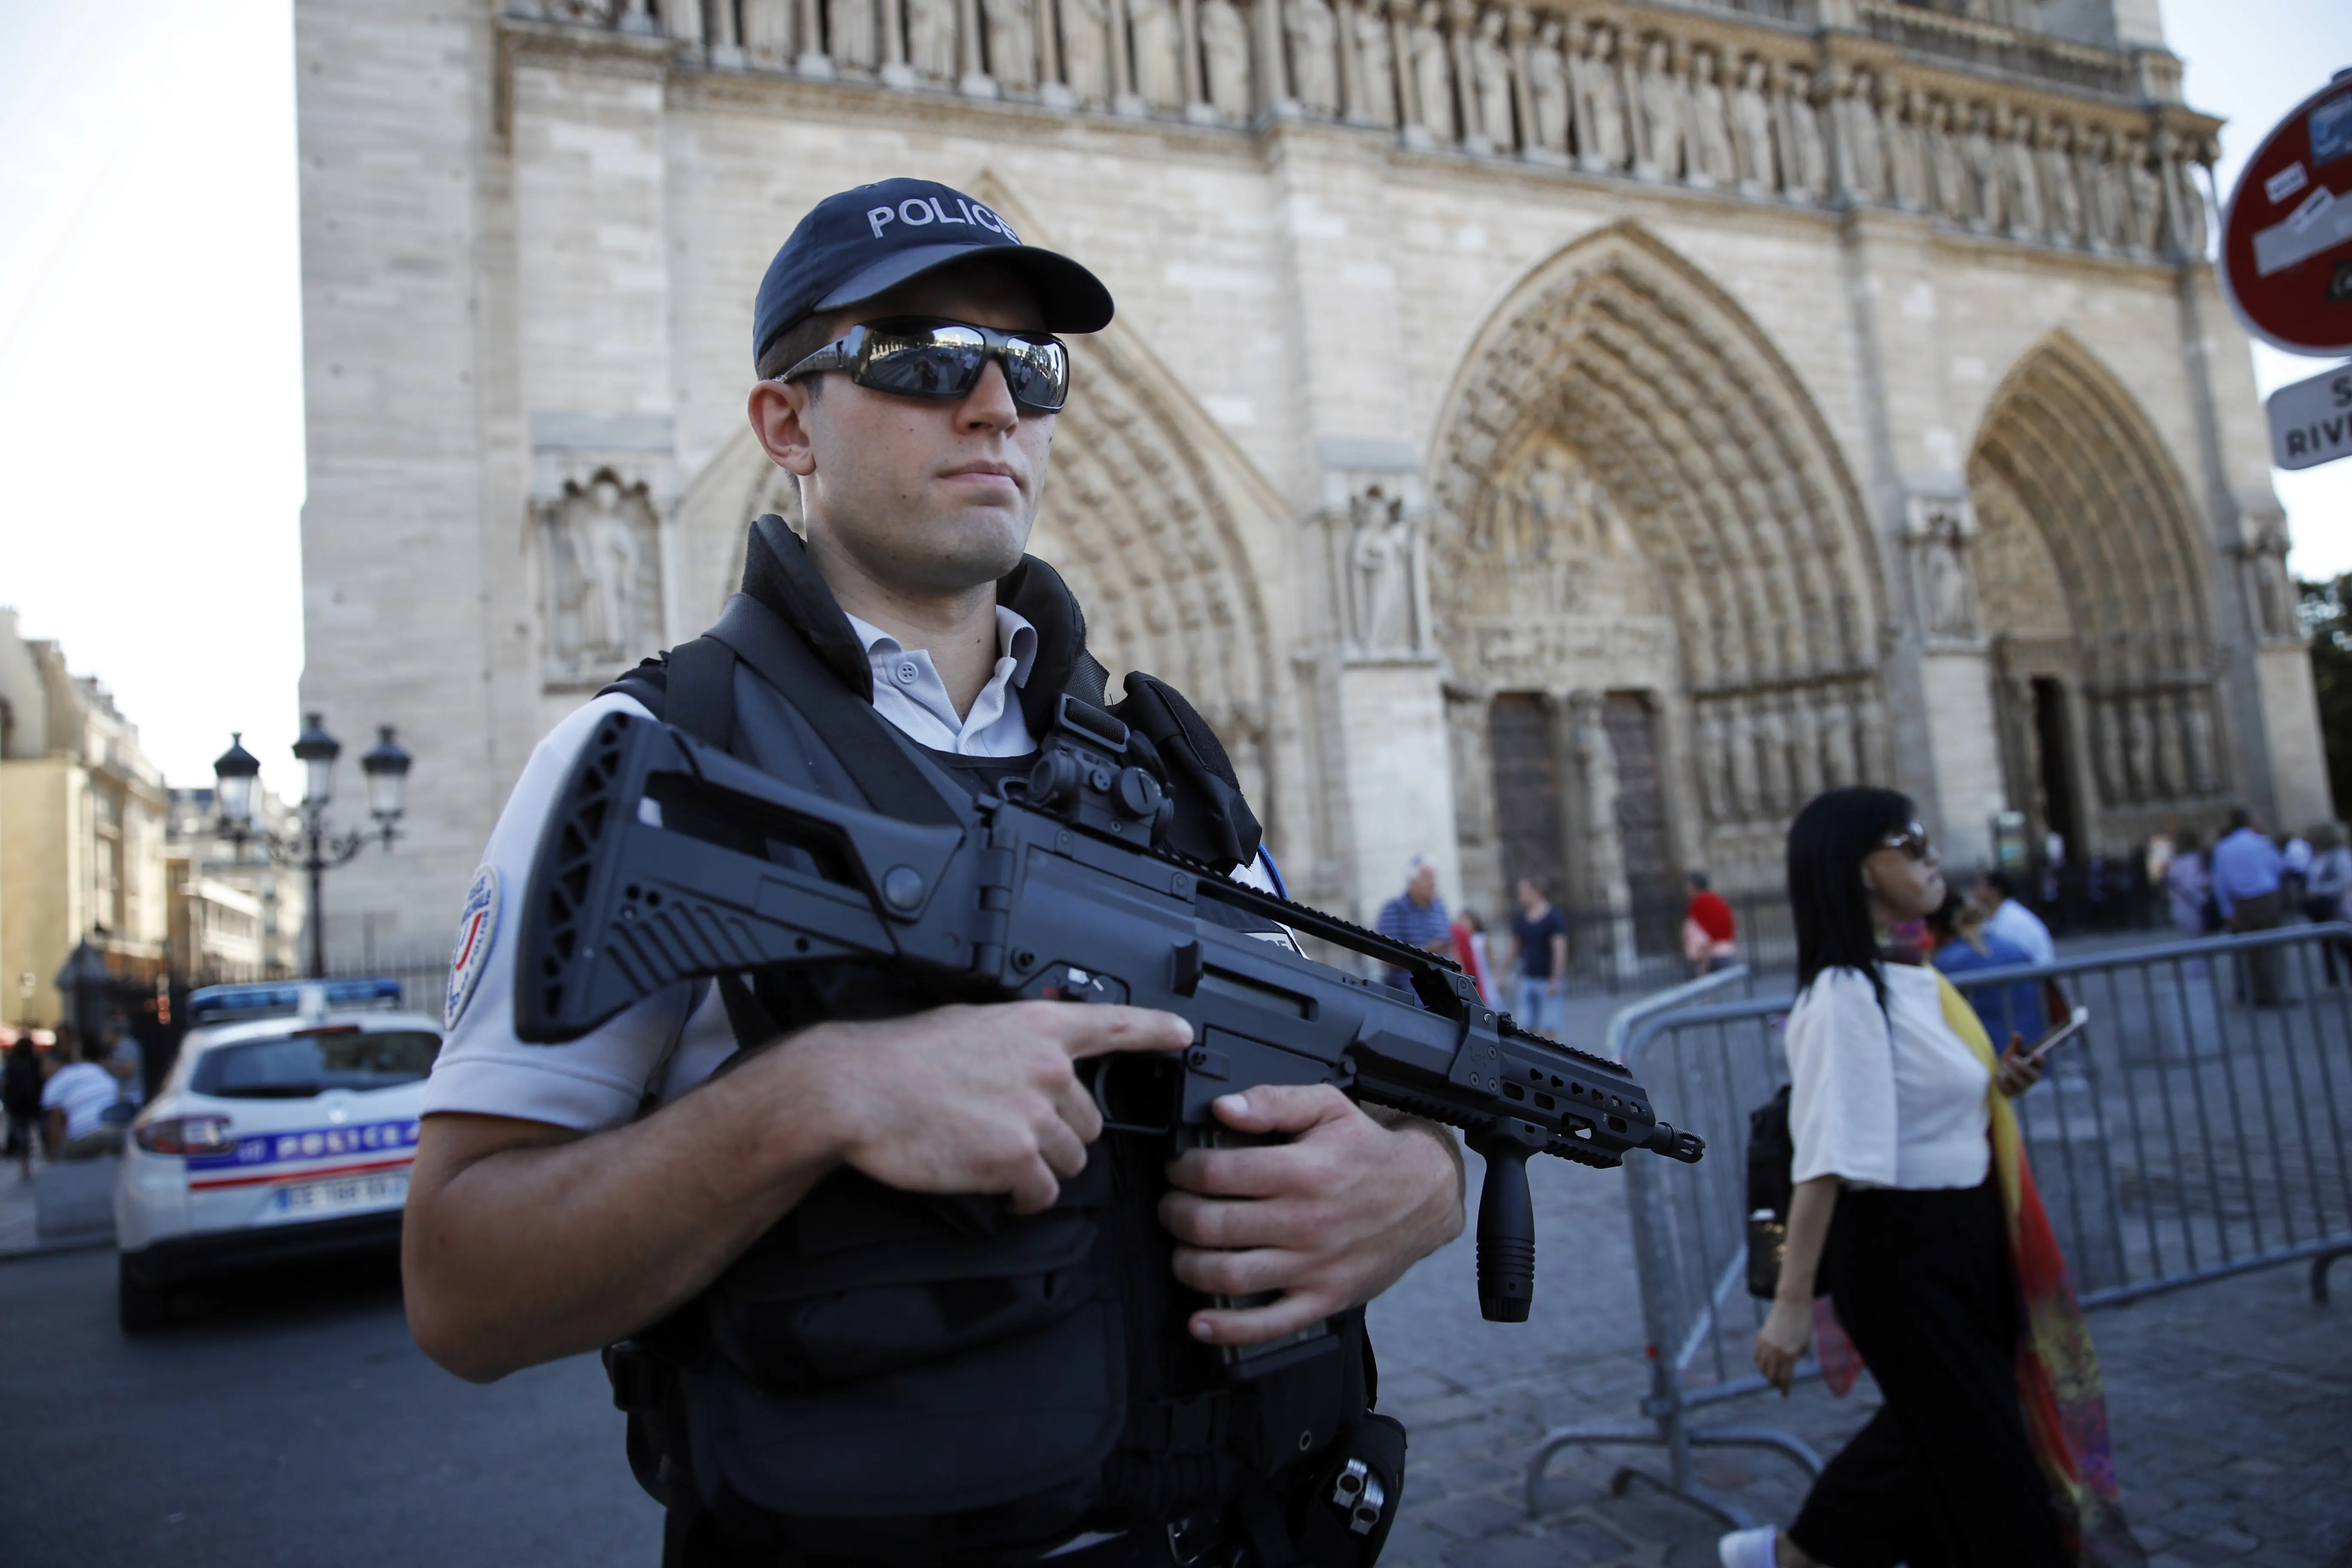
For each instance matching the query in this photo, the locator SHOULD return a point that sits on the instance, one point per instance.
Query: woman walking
(1914, 1211)
(2188, 887)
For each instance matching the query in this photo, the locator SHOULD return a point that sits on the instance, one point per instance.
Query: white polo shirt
(1885, 1099)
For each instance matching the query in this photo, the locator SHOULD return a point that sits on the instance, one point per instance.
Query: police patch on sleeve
(477, 930)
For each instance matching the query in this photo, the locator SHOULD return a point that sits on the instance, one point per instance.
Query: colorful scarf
(2057, 1371)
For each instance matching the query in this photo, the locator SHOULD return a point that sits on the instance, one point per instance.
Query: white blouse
(1885, 1099)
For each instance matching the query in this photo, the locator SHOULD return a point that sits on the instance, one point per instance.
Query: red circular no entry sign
(2286, 235)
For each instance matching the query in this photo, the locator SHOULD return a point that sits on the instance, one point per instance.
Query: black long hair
(1827, 845)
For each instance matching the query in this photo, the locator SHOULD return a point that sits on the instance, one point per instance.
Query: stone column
(1955, 675)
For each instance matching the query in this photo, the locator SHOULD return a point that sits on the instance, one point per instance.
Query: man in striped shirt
(1416, 918)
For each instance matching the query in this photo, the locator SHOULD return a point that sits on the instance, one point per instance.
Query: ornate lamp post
(313, 846)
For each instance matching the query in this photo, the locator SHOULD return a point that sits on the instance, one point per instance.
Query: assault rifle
(664, 858)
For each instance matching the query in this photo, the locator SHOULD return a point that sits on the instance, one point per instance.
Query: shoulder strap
(868, 748)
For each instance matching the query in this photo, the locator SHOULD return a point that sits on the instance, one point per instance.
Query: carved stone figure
(1314, 59)
(1712, 161)
(2106, 205)
(1805, 161)
(1861, 158)
(849, 29)
(604, 580)
(1839, 768)
(2147, 196)
(1547, 89)
(1659, 155)
(1085, 50)
(768, 32)
(1752, 132)
(1900, 112)
(1715, 768)
(1224, 46)
(1432, 75)
(1011, 44)
(2058, 183)
(1804, 748)
(931, 38)
(1151, 28)
(1600, 106)
(1746, 787)
(1947, 163)
(1947, 598)
(1987, 214)
(2023, 180)
(2186, 221)
(1380, 572)
(1490, 69)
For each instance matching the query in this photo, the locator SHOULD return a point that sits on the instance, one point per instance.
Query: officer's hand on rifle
(975, 1098)
(1330, 1219)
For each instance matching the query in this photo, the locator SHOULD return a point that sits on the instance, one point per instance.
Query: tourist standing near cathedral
(881, 1291)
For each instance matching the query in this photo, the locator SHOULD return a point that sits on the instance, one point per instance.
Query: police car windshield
(296, 1065)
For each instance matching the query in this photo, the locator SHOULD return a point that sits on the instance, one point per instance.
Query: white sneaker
(1749, 1548)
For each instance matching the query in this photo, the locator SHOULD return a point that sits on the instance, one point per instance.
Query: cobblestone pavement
(2231, 1404)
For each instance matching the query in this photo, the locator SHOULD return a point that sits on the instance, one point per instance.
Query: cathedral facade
(1554, 437)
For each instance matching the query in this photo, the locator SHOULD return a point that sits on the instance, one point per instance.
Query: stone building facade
(1554, 437)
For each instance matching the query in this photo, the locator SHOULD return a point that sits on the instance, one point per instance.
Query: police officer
(566, 1198)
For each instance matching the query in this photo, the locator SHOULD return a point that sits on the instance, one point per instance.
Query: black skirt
(1944, 1476)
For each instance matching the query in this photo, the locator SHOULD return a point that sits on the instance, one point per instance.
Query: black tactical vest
(890, 1377)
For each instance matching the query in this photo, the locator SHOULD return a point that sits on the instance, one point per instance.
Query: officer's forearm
(524, 1242)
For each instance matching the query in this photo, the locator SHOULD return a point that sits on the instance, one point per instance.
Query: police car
(283, 1134)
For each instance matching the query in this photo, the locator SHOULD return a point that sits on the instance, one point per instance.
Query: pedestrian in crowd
(2327, 889)
(126, 1061)
(2248, 873)
(1962, 945)
(1540, 952)
(1710, 933)
(2007, 918)
(20, 1095)
(1470, 953)
(2295, 867)
(1416, 918)
(76, 1102)
(2187, 887)
(1914, 1211)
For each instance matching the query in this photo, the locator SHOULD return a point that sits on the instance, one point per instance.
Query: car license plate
(345, 1193)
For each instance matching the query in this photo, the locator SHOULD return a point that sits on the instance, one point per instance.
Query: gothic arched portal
(2095, 593)
(1637, 514)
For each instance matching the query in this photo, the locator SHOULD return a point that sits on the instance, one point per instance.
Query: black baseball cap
(857, 244)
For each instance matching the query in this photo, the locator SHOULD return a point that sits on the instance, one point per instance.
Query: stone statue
(1752, 132)
(849, 26)
(2139, 747)
(2105, 205)
(1659, 155)
(1804, 749)
(2027, 219)
(2147, 196)
(768, 32)
(1600, 106)
(1547, 89)
(1379, 563)
(1314, 57)
(1746, 787)
(1011, 44)
(1900, 112)
(2201, 744)
(599, 532)
(1838, 768)
(1950, 607)
(1376, 63)
(1432, 75)
(1805, 163)
(1151, 28)
(1086, 49)
(2188, 198)
(931, 38)
(1224, 44)
(1712, 161)
(2058, 183)
(1490, 70)
(1856, 146)
(1987, 214)
(1948, 167)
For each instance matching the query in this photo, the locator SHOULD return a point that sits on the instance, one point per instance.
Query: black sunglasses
(921, 357)
(1911, 840)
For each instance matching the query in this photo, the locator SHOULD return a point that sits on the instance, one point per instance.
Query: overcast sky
(150, 386)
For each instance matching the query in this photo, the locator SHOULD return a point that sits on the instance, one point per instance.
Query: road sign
(2286, 235)
(2310, 421)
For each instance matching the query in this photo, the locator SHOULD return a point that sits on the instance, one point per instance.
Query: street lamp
(313, 846)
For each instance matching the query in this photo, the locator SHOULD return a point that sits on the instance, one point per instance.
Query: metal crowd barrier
(2188, 1135)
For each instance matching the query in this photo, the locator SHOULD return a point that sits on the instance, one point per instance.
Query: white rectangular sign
(2310, 421)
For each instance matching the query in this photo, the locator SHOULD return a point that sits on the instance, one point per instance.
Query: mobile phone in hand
(2061, 1035)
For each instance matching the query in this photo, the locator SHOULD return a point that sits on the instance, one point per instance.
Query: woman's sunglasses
(1911, 841)
(919, 357)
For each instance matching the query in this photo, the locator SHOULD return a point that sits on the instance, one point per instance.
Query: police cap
(857, 244)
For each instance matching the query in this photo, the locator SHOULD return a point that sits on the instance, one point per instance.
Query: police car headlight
(186, 1135)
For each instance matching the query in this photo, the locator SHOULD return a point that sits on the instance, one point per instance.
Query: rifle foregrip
(1506, 1230)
